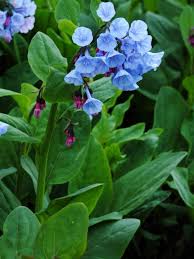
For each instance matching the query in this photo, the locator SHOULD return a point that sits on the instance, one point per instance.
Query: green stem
(44, 150)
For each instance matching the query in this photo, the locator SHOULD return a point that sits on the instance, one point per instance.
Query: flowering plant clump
(122, 52)
(16, 16)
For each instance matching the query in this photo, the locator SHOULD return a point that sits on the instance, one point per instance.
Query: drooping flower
(101, 66)
(82, 36)
(115, 59)
(79, 100)
(39, 106)
(119, 28)
(106, 11)
(92, 106)
(70, 136)
(3, 128)
(152, 60)
(124, 81)
(106, 42)
(85, 64)
(28, 24)
(74, 77)
(138, 30)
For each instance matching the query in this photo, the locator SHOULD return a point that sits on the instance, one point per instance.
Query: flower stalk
(44, 151)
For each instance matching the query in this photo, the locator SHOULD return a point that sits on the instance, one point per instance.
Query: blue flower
(152, 60)
(82, 36)
(3, 16)
(17, 20)
(74, 78)
(119, 28)
(3, 128)
(106, 11)
(144, 45)
(115, 59)
(138, 30)
(92, 106)
(28, 24)
(16, 3)
(124, 81)
(135, 63)
(100, 65)
(128, 46)
(85, 64)
(106, 42)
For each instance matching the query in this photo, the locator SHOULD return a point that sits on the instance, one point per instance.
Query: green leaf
(109, 240)
(17, 135)
(22, 101)
(165, 32)
(180, 176)
(16, 122)
(187, 131)
(94, 4)
(60, 166)
(188, 84)
(7, 171)
(63, 234)
(118, 112)
(135, 187)
(8, 202)
(30, 168)
(88, 195)
(95, 169)
(20, 230)
(20, 47)
(186, 23)
(138, 152)
(56, 90)
(107, 217)
(67, 26)
(124, 135)
(69, 9)
(103, 89)
(170, 111)
(44, 56)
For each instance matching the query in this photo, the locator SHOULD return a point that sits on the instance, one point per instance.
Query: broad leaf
(64, 234)
(44, 56)
(135, 187)
(109, 240)
(95, 169)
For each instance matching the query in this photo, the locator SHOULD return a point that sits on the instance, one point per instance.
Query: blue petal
(124, 81)
(115, 59)
(82, 36)
(138, 30)
(129, 46)
(106, 42)
(17, 20)
(3, 128)
(135, 63)
(3, 16)
(119, 28)
(92, 106)
(100, 65)
(152, 60)
(85, 64)
(74, 78)
(106, 11)
(144, 45)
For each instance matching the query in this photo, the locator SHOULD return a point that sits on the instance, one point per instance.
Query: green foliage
(62, 234)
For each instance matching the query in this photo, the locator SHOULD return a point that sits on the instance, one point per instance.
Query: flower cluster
(3, 128)
(122, 52)
(16, 16)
